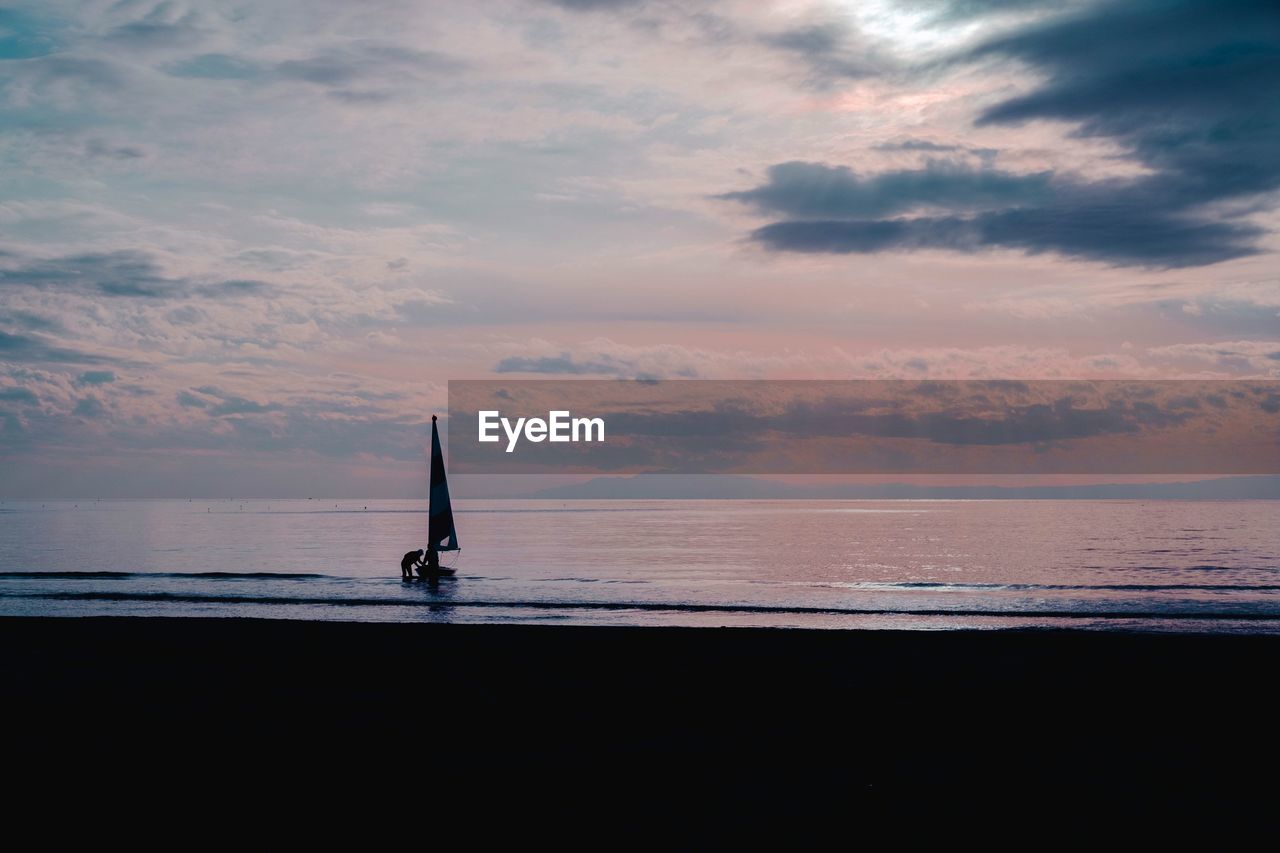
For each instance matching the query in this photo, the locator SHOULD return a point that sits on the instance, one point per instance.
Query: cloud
(831, 50)
(155, 35)
(14, 394)
(24, 36)
(1186, 89)
(1259, 357)
(367, 61)
(215, 66)
(53, 74)
(124, 273)
(165, 26)
(241, 406)
(593, 5)
(947, 11)
(31, 322)
(190, 401)
(1189, 88)
(187, 315)
(89, 407)
(27, 348)
(233, 288)
(1063, 419)
(816, 191)
(604, 357)
(224, 404)
(334, 423)
(562, 365)
(926, 146)
(99, 148)
(917, 145)
(354, 71)
(1136, 235)
(96, 377)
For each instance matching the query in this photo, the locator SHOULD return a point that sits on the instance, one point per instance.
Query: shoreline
(829, 711)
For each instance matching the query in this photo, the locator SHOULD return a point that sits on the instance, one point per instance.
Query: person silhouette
(432, 562)
(407, 562)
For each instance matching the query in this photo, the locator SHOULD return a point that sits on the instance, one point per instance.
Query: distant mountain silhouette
(665, 486)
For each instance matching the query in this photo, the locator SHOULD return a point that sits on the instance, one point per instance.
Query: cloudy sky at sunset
(244, 245)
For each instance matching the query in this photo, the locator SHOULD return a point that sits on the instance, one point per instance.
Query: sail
(440, 531)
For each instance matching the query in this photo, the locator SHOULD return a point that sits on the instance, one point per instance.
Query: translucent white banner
(864, 427)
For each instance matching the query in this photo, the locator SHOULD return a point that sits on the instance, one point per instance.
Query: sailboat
(441, 534)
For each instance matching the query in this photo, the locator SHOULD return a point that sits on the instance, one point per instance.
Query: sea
(1204, 567)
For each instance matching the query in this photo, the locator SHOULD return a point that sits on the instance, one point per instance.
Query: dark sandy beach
(738, 716)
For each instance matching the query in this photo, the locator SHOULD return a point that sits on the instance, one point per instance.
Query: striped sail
(440, 531)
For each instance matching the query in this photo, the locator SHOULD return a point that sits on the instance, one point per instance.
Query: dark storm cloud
(1191, 90)
(119, 274)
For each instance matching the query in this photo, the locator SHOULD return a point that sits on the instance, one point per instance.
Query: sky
(245, 245)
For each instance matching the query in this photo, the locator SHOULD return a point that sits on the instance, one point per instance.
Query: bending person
(408, 562)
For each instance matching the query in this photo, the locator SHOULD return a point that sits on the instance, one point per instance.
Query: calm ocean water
(1154, 565)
